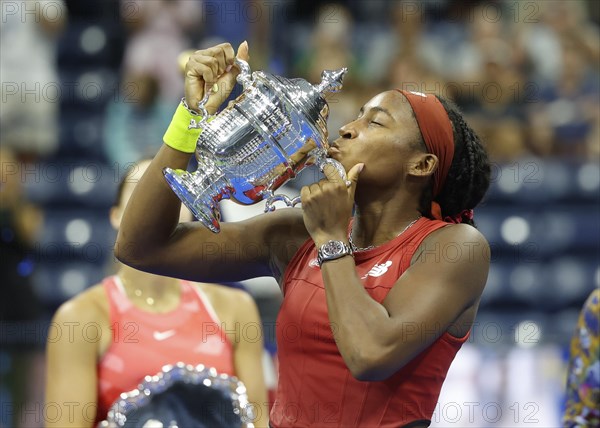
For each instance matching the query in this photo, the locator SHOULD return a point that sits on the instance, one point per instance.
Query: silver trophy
(182, 395)
(264, 138)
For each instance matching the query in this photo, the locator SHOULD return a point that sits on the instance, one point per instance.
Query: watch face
(333, 248)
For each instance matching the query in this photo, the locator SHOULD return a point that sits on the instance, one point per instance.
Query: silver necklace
(370, 247)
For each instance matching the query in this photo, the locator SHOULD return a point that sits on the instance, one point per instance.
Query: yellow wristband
(178, 135)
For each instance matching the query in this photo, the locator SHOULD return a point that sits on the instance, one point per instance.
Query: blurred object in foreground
(583, 382)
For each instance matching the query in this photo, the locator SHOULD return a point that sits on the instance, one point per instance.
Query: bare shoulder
(232, 305)
(456, 243)
(89, 306)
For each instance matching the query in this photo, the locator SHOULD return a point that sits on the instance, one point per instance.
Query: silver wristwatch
(333, 250)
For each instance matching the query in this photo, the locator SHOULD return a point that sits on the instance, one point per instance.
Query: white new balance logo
(378, 270)
(162, 335)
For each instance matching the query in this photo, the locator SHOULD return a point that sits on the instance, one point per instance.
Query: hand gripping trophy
(264, 138)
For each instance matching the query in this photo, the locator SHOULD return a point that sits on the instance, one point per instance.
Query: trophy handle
(321, 161)
(203, 113)
(272, 198)
(245, 76)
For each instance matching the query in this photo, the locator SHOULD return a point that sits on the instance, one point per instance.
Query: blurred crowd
(525, 73)
(97, 82)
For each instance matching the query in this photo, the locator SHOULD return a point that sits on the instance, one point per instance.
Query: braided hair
(469, 175)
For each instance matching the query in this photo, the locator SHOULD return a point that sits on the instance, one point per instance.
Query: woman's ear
(423, 166)
(115, 216)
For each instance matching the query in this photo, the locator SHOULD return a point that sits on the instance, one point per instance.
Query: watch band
(333, 250)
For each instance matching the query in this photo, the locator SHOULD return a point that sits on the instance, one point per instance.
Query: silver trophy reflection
(264, 138)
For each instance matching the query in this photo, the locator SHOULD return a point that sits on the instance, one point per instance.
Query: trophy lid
(304, 96)
(331, 80)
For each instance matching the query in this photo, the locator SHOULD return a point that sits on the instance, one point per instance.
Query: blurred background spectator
(30, 89)
(526, 74)
(157, 32)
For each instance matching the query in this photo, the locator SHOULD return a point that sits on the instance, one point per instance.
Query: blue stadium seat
(84, 43)
(57, 282)
(569, 228)
(535, 181)
(81, 135)
(563, 324)
(551, 285)
(72, 183)
(88, 90)
(536, 232)
(75, 235)
(494, 328)
(569, 280)
(587, 180)
(509, 230)
(518, 180)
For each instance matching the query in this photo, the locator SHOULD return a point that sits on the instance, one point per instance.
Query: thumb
(183, 58)
(228, 80)
(242, 52)
(353, 175)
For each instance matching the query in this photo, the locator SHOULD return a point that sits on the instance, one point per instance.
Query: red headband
(436, 130)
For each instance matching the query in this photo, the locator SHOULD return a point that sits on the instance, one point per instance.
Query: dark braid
(469, 175)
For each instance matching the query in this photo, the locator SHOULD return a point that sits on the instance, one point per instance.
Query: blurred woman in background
(107, 339)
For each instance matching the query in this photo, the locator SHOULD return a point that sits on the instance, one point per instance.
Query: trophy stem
(201, 192)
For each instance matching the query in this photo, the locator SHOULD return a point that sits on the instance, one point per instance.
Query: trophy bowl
(182, 395)
(261, 140)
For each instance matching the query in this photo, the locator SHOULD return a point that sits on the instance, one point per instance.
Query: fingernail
(215, 88)
(228, 68)
(360, 167)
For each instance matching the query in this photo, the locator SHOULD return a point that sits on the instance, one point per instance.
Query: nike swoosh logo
(162, 335)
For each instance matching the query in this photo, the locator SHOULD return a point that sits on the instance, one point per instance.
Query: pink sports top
(143, 342)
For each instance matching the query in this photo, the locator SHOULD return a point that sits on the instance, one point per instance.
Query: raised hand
(212, 70)
(327, 205)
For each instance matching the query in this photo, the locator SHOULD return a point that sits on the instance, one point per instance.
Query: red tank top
(315, 386)
(143, 342)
